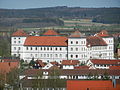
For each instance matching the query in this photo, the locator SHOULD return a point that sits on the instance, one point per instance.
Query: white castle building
(51, 46)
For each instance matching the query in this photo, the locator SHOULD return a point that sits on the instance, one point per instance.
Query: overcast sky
(23, 4)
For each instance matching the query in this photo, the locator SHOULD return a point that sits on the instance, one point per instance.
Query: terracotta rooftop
(20, 33)
(114, 67)
(5, 67)
(50, 33)
(32, 72)
(81, 67)
(95, 41)
(70, 62)
(103, 33)
(90, 85)
(77, 34)
(46, 41)
(104, 61)
(40, 63)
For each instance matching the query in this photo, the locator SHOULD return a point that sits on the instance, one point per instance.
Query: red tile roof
(95, 41)
(40, 63)
(114, 67)
(105, 61)
(20, 33)
(66, 72)
(46, 41)
(54, 63)
(77, 34)
(90, 85)
(70, 62)
(50, 33)
(81, 67)
(10, 60)
(103, 33)
(7, 66)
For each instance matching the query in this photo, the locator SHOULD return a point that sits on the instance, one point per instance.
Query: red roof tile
(20, 33)
(77, 34)
(70, 62)
(40, 63)
(114, 67)
(50, 33)
(81, 67)
(105, 61)
(95, 41)
(103, 33)
(7, 66)
(90, 85)
(46, 41)
(54, 63)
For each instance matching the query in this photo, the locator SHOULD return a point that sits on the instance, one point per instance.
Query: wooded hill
(102, 15)
(45, 17)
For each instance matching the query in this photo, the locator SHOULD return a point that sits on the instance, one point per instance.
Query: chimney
(114, 81)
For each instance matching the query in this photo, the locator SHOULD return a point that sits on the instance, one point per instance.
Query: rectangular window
(14, 48)
(18, 48)
(26, 48)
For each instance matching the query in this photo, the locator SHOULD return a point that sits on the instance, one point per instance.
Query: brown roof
(20, 33)
(77, 34)
(81, 67)
(105, 61)
(7, 66)
(114, 67)
(103, 33)
(46, 41)
(32, 72)
(70, 62)
(40, 63)
(50, 33)
(95, 41)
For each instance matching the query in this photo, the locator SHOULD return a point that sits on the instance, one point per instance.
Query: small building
(103, 63)
(69, 64)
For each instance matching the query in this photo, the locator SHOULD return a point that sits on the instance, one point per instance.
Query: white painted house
(48, 47)
(102, 63)
(52, 47)
(70, 64)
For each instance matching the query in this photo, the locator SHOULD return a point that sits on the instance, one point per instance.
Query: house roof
(54, 63)
(32, 72)
(9, 60)
(46, 41)
(50, 33)
(77, 34)
(40, 63)
(70, 62)
(5, 67)
(20, 33)
(114, 67)
(105, 61)
(90, 85)
(81, 67)
(103, 33)
(95, 41)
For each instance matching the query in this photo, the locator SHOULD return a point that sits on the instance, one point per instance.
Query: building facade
(53, 47)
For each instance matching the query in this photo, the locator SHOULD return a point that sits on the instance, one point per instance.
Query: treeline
(44, 20)
(30, 22)
(111, 19)
(65, 12)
